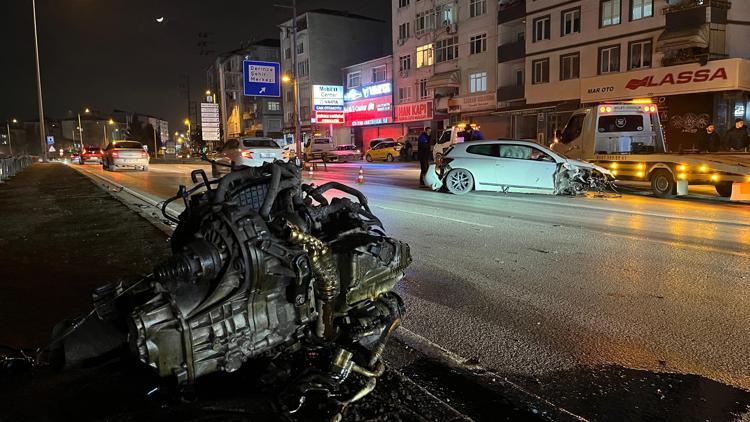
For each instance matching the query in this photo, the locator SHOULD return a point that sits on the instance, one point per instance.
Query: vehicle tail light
(101, 151)
(247, 154)
(115, 154)
(84, 151)
(143, 154)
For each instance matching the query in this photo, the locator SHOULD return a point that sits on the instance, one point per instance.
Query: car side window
(521, 152)
(539, 155)
(490, 150)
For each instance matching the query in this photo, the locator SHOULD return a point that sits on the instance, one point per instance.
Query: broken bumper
(432, 179)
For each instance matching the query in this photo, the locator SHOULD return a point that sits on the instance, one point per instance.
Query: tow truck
(627, 139)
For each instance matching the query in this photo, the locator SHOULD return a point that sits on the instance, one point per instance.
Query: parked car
(248, 151)
(91, 154)
(344, 153)
(373, 142)
(125, 154)
(507, 166)
(385, 150)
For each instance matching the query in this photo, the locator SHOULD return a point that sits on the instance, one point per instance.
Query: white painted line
(434, 216)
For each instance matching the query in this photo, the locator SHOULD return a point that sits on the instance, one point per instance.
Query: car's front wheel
(459, 181)
(724, 189)
(389, 158)
(663, 184)
(368, 157)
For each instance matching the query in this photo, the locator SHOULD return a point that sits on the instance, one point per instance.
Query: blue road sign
(50, 140)
(261, 79)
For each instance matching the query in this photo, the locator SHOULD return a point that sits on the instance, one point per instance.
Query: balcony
(511, 92)
(695, 31)
(511, 10)
(511, 51)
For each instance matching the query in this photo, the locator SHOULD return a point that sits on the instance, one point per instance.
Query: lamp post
(10, 143)
(297, 118)
(80, 126)
(42, 135)
(297, 122)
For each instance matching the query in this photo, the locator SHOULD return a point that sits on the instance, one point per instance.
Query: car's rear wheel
(368, 157)
(459, 181)
(145, 168)
(663, 184)
(724, 189)
(389, 158)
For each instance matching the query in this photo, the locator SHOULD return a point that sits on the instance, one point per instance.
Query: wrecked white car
(514, 166)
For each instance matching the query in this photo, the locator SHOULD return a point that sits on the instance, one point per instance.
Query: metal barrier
(11, 166)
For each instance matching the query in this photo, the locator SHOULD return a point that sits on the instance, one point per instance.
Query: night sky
(107, 54)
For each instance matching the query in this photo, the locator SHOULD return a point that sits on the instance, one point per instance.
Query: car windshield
(259, 143)
(128, 145)
(346, 147)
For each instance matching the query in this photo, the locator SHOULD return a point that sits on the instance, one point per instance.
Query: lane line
(455, 220)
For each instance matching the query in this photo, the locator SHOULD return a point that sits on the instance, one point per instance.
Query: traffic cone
(361, 176)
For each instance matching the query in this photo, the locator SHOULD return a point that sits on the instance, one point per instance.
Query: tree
(137, 131)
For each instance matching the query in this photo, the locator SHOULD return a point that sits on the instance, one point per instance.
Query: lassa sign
(685, 77)
(717, 75)
(412, 112)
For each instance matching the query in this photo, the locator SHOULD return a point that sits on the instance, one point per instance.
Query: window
(425, 22)
(378, 73)
(571, 22)
(570, 65)
(478, 82)
(403, 3)
(422, 91)
(404, 62)
(305, 112)
(288, 53)
(446, 49)
(609, 59)
(640, 55)
(300, 48)
(477, 7)
(260, 143)
(289, 96)
(542, 28)
(353, 79)
(424, 55)
(303, 68)
(274, 106)
(478, 44)
(640, 9)
(274, 125)
(445, 14)
(404, 94)
(403, 31)
(519, 77)
(609, 12)
(490, 150)
(621, 123)
(540, 71)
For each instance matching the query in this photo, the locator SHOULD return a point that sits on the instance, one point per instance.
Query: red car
(91, 154)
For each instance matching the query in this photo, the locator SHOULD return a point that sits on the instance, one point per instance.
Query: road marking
(455, 220)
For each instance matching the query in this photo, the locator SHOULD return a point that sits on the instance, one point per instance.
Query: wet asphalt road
(557, 292)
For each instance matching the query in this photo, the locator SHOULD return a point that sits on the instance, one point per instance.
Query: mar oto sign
(261, 79)
(718, 75)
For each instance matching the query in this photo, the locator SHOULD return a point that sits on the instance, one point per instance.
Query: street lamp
(297, 122)
(187, 123)
(80, 126)
(7, 126)
(42, 134)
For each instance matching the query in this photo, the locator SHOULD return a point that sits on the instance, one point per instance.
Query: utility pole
(80, 129)
(297, 118)
(42, 134)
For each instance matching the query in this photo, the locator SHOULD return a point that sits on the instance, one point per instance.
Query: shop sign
(719, 75)
(372, 111)
(369, 91)
(412, 112)
(329, 117)
(328, 97)
(472, 103)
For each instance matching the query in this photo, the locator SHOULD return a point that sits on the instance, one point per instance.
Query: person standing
(711, 141)
(469, 134)
(737, 136)
(423, 153)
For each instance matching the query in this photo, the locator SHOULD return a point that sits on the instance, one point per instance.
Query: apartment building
(685, 55)
(446, 61)
(327, 41)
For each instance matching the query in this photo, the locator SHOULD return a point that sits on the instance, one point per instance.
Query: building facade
(240, 114)
(685, 55)
(327, 41)
(446, 62)
(368, 102)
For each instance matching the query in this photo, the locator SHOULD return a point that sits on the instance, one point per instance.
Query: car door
(525, 167)
(482, 160)
(377, 151)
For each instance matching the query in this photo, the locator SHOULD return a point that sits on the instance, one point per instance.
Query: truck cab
(317, 148)
(612, 129)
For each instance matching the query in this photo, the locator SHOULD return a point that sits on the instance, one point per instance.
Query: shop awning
(676, 39)
(445, 79)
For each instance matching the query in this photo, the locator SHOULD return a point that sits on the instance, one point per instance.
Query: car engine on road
(265, 266)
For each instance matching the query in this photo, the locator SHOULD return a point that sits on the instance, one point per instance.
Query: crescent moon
(160, 20)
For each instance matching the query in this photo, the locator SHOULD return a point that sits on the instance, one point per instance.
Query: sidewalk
(60, 237)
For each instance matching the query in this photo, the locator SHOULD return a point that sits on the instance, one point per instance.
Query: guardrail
(11, 166)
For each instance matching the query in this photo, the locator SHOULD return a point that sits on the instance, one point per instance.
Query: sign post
(210, 122)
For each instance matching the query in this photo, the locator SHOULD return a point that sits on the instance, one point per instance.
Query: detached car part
(264, 266)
